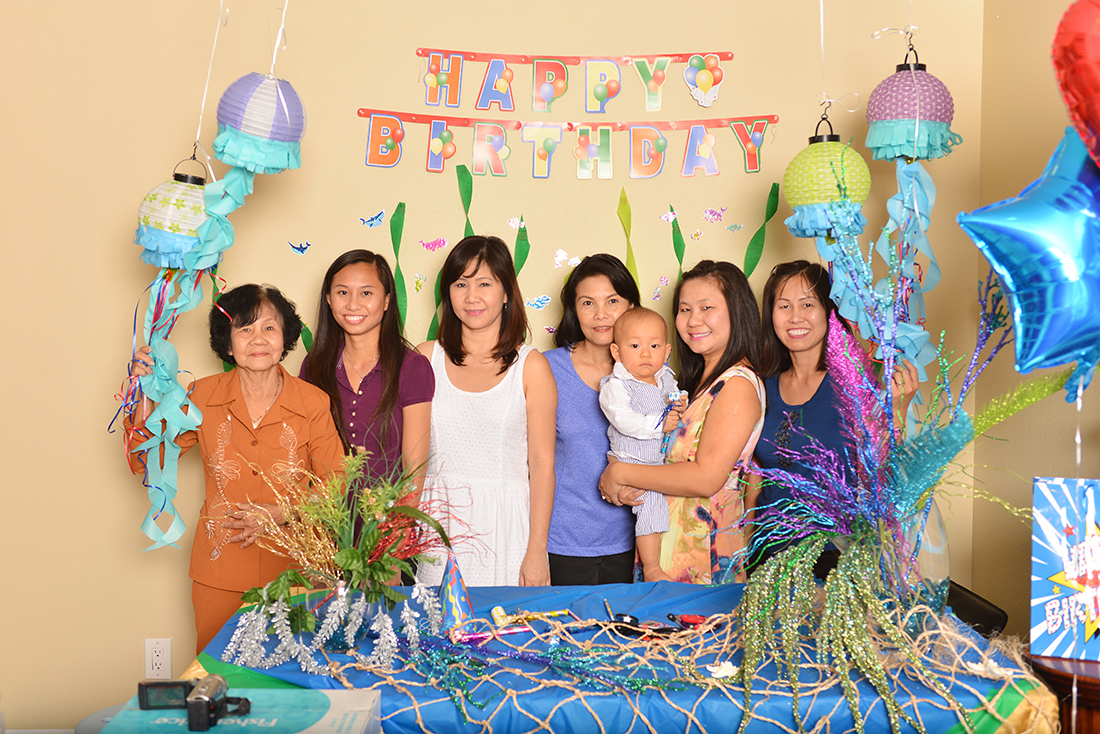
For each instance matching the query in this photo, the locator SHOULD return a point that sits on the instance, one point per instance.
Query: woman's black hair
(466, 257)
(744, 341)
(241, 306)
(775, 358)
(328, 345)
(569, 328)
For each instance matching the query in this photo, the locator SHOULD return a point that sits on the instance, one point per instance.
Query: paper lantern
(168, 220)
(260, 124)
(826, 184)
(909, 114)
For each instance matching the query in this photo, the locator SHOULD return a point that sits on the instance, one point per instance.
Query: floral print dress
(702, 546)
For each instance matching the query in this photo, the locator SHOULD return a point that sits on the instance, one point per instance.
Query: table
(1058, 674)
(513, 704)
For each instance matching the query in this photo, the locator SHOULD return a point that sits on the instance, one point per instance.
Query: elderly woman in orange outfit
(255, 418)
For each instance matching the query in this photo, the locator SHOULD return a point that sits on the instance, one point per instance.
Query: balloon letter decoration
(645, 160)
(490, 149)
(379, 152)
(496, 87)
(545, 139)
(443, 77)
(653, 79)
(601, 82)
(550, 82)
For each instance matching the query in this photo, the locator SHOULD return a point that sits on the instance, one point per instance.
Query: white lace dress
(478, 466)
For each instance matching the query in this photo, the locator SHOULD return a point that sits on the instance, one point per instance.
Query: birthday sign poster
(1065, 569)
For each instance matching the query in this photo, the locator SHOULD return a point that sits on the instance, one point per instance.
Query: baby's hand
(677, 402)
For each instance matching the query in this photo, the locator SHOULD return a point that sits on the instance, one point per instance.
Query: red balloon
(541, 153)
(398, 135)
(716, 75)
(612, 88)
(448, 150)
(433, 69)
(1076, 56)
(659, 75)
(559, 87)
(507, 75)
(583, 141)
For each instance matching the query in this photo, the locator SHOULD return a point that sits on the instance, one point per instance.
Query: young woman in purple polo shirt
(381, 389)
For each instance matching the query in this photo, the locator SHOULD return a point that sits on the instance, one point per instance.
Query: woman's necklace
(256, 422)
(359, 378)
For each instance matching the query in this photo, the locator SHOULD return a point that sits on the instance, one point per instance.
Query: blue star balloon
(1045, 246)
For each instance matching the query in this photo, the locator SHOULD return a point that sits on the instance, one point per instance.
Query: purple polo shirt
(416, 384)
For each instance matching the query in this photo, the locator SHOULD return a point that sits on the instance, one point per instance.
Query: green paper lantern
(826, 171)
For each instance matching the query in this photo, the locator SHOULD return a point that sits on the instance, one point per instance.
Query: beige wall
(1020, 102)
(101, 100)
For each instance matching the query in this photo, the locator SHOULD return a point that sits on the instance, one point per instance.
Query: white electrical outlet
(158, 658)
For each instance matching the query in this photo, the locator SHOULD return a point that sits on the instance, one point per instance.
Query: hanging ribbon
(678, 245)
(523, 247)
(910, 211)
(397, 226)
(168, 420)
(756, 244)
(164, 389)
(624, 217)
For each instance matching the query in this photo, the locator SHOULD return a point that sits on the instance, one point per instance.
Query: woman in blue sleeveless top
(591, 542)
(794, 325)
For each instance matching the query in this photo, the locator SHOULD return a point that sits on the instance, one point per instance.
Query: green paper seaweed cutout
(624, 217)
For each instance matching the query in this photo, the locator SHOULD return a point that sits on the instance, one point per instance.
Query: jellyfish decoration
(909, 118)
(826, 185)
(169, 220)
(260, 124)
(827, 181)
(909, 114)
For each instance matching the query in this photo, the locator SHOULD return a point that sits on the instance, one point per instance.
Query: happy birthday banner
(592, 146)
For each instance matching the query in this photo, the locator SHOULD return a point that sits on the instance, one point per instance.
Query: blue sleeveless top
(582, 525)
(817, 417)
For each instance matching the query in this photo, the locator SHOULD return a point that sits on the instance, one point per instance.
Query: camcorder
(205, 700)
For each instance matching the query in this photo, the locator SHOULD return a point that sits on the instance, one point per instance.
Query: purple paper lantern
(260, 124)
(909, 114)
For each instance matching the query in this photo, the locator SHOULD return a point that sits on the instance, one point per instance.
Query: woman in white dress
(492, 427)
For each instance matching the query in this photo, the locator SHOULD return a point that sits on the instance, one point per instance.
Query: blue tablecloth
(691, 709)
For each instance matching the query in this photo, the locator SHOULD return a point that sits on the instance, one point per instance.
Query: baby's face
(642, 346)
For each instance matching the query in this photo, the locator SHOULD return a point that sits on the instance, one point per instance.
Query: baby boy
(634, 397)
